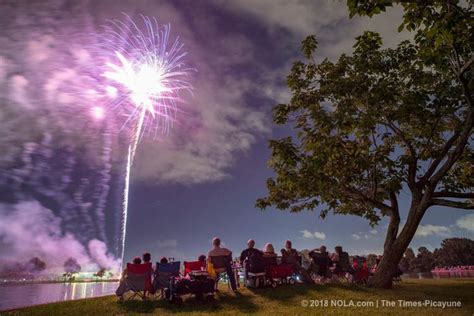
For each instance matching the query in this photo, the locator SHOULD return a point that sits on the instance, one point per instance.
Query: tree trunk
(395, 246)
(387, 268)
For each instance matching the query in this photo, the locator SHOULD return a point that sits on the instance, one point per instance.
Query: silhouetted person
(218, 251)
(291, 256)
(250, 251)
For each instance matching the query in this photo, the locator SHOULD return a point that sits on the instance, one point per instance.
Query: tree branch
(402, 136)
(438, 160)
(466, 66)
(394, 202)
(459, 195)
(455, 204)
(356, 194)
(412, 164)
(458, 150)
(463, 135)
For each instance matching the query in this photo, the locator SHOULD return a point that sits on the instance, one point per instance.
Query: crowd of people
(322, 261)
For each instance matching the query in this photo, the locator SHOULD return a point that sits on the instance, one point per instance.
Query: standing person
(218, 251)
(291, 256)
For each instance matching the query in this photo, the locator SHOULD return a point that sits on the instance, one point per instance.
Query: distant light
(98, 112)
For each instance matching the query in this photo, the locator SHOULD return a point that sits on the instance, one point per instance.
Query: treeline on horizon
(453, 252)
(36, 266)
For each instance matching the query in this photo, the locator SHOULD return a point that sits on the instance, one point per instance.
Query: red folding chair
(194, 266)
(137, 280)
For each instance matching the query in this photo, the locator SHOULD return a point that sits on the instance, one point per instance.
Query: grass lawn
(286, 299)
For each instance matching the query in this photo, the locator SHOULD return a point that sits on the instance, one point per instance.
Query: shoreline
(55, 282)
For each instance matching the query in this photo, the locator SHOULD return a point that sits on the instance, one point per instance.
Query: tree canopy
(377, 120)
(380, 121)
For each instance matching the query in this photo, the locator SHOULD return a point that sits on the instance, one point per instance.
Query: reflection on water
(21, 295)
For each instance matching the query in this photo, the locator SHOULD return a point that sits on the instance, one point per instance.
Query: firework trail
(125, 203)
(146, 73)
(103, 188)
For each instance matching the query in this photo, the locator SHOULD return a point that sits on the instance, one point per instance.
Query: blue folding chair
(164, 275)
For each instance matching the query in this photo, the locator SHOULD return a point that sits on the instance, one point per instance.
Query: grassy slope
(283, 300)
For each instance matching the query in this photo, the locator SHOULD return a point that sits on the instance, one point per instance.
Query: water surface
(22, 295)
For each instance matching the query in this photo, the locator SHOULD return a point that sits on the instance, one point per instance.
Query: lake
(22, 295)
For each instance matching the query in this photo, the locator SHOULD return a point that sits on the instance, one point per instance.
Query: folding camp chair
(195, 281)
(222, 262)
(343, 269)
(192, 266)
(320, 264)
(361, 272)
(163, 274)
(137, 280)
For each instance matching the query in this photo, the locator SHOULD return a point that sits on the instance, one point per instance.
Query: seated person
(377, 262)
(122, 288)
(251, 258)
(341, 260)
(291, 256)
(320, 261)
(269, 255)
(163, 260)
(217, 251)
(202, 260)
(249, 252)
(269, 251)
(147, 259)
(135, 260)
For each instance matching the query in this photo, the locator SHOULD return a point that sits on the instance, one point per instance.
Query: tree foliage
(72, 266)
(408, 261)
(454, 252)
(35, 265)
(381, 120)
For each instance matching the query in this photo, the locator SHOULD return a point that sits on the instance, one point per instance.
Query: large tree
(380, 121)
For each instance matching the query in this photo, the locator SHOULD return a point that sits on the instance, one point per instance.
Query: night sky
(202, 180)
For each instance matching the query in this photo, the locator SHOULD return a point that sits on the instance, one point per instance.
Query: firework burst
(145, 74)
